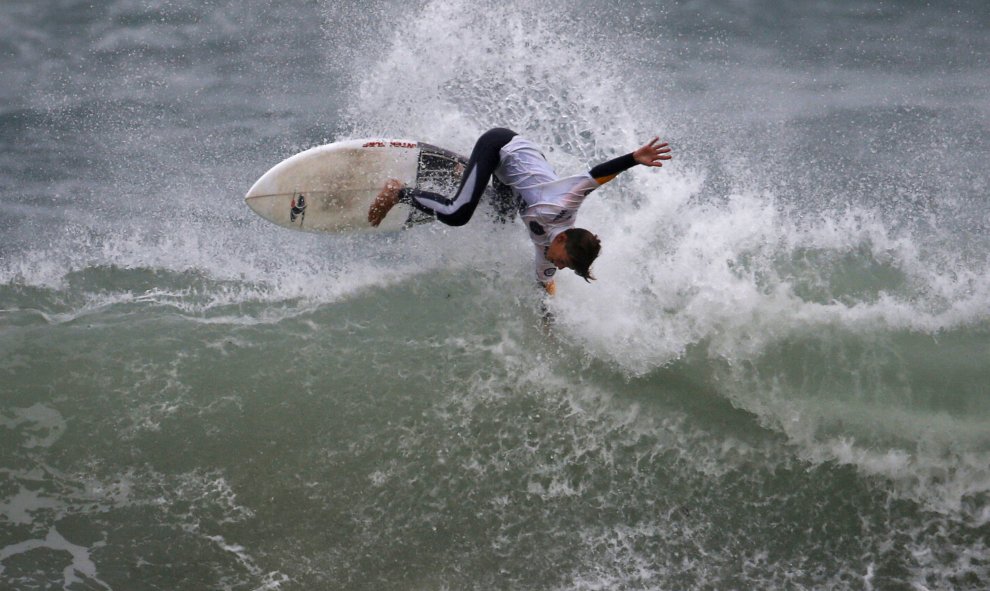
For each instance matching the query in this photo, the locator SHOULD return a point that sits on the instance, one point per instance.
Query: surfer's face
(557, 252)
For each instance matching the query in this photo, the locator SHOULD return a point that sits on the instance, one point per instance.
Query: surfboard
(329, 188)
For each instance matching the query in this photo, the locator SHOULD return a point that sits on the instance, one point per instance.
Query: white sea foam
(683, 268)
(210, 506)
(80, 571)
(42, 424)
(19, 507)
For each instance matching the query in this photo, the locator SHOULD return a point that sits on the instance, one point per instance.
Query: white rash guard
(551, 202)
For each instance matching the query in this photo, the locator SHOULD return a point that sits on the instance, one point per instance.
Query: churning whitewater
(779, 379)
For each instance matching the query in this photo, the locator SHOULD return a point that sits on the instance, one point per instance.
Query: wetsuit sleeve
(607, 171)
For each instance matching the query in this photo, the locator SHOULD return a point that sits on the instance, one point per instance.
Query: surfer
(548, 203)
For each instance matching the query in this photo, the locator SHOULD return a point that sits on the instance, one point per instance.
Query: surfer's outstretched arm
(652, 153)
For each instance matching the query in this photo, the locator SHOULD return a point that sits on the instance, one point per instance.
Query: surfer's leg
(457, 210)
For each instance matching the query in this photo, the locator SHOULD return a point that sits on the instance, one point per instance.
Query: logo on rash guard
(549, 272)
(536, 229)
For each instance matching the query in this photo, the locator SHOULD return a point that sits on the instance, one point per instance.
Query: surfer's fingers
(657, 159)
(662, 152)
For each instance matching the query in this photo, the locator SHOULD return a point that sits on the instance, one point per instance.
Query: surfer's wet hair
(582, 248)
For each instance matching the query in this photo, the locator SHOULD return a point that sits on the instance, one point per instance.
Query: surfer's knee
(497, 135)
(456, 219)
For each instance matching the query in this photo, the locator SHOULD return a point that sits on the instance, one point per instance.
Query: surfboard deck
(330, 188)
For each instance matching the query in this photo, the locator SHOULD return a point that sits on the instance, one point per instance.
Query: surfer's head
(575, 249)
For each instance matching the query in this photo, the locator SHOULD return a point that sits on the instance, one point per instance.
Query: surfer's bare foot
(385, 201)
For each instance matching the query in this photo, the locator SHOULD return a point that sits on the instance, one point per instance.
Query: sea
(779, 380)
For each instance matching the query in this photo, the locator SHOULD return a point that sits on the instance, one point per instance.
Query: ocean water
(780, 380)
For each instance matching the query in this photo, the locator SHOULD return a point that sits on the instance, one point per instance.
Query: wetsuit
(548, 203)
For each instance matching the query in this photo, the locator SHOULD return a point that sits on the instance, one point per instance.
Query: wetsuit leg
(457, 210)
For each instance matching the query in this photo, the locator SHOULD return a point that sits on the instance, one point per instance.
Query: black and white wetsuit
(548, 203)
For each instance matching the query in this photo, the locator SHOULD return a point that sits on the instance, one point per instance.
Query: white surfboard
(330, 188)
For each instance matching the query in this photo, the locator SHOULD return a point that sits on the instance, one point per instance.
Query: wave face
(778, 381)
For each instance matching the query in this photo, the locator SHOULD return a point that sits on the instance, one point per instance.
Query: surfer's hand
(546, 315)
(653, 153)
